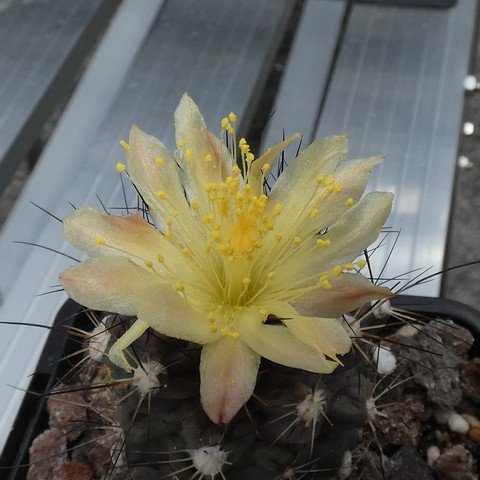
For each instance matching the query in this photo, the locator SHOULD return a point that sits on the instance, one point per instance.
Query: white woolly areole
(385, 360)
(382, 310)
(346, 468)
(98, 342)
(310, 409)
(146, 378)
(209, 460)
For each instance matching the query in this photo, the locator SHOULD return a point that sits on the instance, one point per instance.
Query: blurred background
(397, 76)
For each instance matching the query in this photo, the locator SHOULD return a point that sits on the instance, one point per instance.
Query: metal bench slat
(397, 90)
(41, 44)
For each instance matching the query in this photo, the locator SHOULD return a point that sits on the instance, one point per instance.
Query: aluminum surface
(397, 90)
(41, 44)
(218, 52)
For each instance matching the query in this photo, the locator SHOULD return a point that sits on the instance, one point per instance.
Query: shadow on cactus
(213, 276)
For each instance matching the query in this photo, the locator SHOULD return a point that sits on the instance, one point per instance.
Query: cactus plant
(215, 275)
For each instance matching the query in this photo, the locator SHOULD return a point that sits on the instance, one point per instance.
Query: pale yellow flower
(223, 257)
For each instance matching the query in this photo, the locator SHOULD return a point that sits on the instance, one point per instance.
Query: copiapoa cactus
(216, 262)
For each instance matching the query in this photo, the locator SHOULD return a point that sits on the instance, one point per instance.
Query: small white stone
(384, 359)
(457, 424)
(209, 460)
(470, 83)
(442, 415)
(468, 128)
(433, 453)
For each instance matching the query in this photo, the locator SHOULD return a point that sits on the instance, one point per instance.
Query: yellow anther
(213, 328)
(349, 202)
(160, 258)
(169, 233)
(278, 237)
(188, 154)
(320, 179)
(232, 117)
(314, 213)
(297, 240)
(161, 195)
(242, 142)
(250, 157)
(323, 243)
(266, 168)
(125, 145)
(361, 263)
(174, 213)
(326, 284)
(230, 129)
(179, 287)
(100, 241)
(224, 122)
(208, 158)
(159, 161)
(349, 266)
(186, 252)
(168, 222)
(336, 188)
(277, 209)
(180, 143)
(149, 263)
(195, 205)
(120, 167)
(236, 170)
(337, 271)
(235, 336)
(270, 275)
(246, 281)
(206, 219)
(330, 180)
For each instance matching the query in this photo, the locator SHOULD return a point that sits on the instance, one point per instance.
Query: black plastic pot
(32, 418)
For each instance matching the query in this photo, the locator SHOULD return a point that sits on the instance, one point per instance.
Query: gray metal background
(41, 44)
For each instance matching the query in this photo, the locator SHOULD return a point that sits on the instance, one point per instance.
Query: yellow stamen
(323, 243)
(159, 161)
(361, 263)
(337, 271)
(161, 195)
(180, 143)
(149, 263)
(314, 213)
(100, 241)
(297, 240)
(232, 117)
(179, 287)
(125, 145)
(349, 202)
(120, 167)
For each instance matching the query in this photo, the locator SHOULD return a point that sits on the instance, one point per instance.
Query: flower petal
(117, 285)
(326, 334)
(99, 234)
(200, 170)
(357, 229)
(297, 184)
(108, 284)
(352, 178)
(154, 172)
(280, 345)
(270, 157)
(348, 292)
(228, 373)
